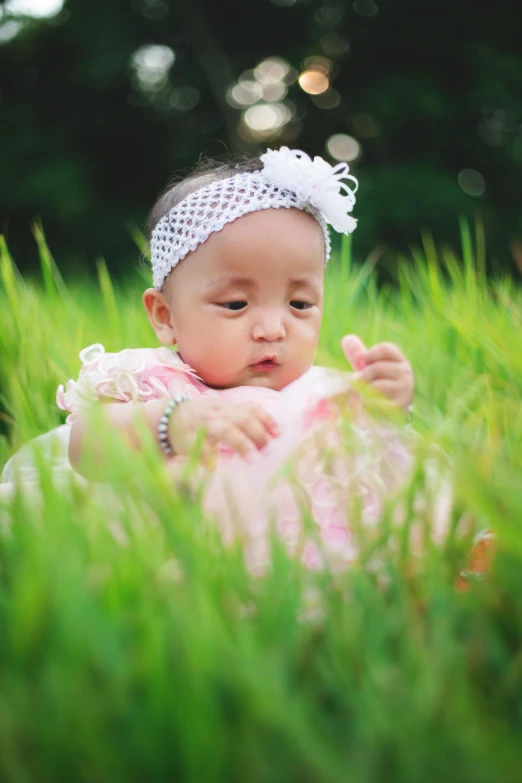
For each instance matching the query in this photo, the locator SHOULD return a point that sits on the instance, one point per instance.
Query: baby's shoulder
(131, 375)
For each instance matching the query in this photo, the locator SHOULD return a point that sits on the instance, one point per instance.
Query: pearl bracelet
(164, 423)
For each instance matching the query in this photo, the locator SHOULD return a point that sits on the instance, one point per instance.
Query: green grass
(134, 647)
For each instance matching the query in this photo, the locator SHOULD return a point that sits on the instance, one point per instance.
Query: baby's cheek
(217, 367)
(311, 329)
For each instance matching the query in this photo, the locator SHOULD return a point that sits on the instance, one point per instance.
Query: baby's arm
(243, 427)
(86, 458)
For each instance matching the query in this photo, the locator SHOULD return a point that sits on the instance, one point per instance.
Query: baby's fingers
(384, 352)
(238, 441)
(382, 371)
(268, 421)
(255, 424)
(394, 391)
(257, 433)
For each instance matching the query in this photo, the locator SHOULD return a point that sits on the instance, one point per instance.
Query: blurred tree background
(102, 102)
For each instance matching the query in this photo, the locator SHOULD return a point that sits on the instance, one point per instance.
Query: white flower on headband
(314, 181)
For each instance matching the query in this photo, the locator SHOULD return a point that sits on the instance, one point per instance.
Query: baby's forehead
(283, 233)
(272, 247)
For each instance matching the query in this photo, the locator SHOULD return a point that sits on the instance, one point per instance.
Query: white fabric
(209, 209)
(54, 446)
(314, 181)
(289, 179)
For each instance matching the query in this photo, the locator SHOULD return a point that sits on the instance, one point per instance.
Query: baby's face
(246, 305)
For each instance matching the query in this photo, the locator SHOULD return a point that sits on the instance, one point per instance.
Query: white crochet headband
(289, 178)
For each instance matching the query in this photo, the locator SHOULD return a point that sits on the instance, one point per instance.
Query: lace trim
(127, 376)
(209, 209)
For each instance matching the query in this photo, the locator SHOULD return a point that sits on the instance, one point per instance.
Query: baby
(238, 256)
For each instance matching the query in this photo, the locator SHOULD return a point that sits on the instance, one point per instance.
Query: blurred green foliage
(136, 647)
(429, 90)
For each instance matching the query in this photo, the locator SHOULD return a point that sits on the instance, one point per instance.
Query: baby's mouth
(265, 365)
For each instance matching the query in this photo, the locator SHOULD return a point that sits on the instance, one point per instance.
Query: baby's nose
(269, 327)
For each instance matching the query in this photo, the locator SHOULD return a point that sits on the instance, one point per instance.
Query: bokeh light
(274, 92)
(9, 30)
(272, 70)
(365, 125)
(265, 118)
(327, 100)
(152, 64)
(154, 9)
(313, 82)
(320, 64)
(184, 98)
(291, 75)
(335, 44)
(367, 8)
(472, 182)
(244, 93)
(343, 147)
(328, 15)
(496, 126)
(38, 9)
(260, 93)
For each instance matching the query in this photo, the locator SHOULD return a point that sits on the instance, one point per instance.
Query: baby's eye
(297, 304)
(234, 305)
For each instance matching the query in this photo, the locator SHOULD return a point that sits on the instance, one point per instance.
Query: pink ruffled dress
(302, 484)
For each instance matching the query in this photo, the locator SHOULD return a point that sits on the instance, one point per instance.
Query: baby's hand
(243, 427)
(384, 367)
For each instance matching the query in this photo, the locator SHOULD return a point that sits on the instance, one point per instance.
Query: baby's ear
(160, 316)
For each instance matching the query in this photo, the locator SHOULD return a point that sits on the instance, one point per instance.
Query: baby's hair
(207, 171)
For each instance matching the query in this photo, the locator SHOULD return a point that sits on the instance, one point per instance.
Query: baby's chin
(266, 382)
(275, 380)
